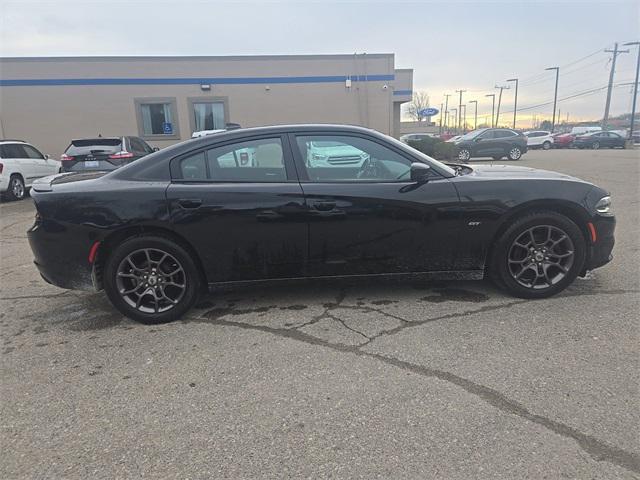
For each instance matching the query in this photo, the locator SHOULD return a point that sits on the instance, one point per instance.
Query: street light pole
(441, 113)
(635, 90)
(555, 97)
(493, 107)
(515, 101)
(460, 109)
(475, 117)
(446, 111)
(464, 119)
(455, 115)
(499, 102)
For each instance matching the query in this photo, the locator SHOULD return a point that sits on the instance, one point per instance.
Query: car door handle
(190, 202)
(324, 206)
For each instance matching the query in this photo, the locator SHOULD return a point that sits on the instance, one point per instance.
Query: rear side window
(505, 134)
(13, 150)
(137, 145)
(247, 161)
(94, 145)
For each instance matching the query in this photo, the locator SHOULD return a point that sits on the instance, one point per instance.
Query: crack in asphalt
(595, 448)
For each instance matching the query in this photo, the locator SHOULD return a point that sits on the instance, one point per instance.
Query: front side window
(32, 152)
(247, 161)
(337, 158)
(208, 116)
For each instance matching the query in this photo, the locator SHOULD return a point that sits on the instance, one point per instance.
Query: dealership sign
(428, 112)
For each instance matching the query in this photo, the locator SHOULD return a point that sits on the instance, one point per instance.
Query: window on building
(157, 117)
(208, 116)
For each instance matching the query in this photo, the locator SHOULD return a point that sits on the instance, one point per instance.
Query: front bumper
(600, 251)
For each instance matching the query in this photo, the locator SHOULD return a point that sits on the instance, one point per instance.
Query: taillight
(122, 154)
(65, 158)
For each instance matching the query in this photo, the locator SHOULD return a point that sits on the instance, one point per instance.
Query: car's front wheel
(464, 154)
(16, 190)
(546, 145)
(595, 145)
(539, 255)
(515, 153)
(151, 279)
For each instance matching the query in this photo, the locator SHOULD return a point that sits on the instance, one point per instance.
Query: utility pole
(493, 107)
(441, 113)
(464, 119)
(475, 116)
(499, 101)
(515, 101)
(555, 97)
(460, 109)
(456, 112)
(615, 52)
(635, 90)
(446, 111)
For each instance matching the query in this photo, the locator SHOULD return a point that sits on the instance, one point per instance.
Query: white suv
(20, 165)
(539, 139)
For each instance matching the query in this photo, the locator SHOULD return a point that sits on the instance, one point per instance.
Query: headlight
(603, 207)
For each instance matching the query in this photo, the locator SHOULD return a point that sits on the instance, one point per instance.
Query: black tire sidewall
(10, 194)
(162, 243)
(546, 146)
(499, 266)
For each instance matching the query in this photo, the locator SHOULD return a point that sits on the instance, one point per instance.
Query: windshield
(473, 134)
(93, 145)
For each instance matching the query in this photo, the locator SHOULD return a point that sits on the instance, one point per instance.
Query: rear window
(94, 145)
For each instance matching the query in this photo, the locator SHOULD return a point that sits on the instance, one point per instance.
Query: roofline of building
(107, 58)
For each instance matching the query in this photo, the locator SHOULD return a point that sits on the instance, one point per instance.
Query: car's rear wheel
(546, 145)
(151, 279)
(464, 155)
(539, 255)
(595, 145)
(515, 153)
(16, 190)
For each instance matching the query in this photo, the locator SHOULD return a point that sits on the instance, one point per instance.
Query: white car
(539, 139)
(20, 165)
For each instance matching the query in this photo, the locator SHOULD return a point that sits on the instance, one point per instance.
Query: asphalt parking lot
(347, 380)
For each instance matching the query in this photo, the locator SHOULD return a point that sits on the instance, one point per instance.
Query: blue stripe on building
(403, 92)
(194, 81)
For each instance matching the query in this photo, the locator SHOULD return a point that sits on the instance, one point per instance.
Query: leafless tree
(419, 102)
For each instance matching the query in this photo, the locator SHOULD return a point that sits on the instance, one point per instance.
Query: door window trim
(290, 170)
(302, 169)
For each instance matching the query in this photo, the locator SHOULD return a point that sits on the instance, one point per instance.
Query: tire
(546, 145)
(16, 190)
(179, 290)
(595, 145)
(464, 155)
(537, 274)
(515, 153)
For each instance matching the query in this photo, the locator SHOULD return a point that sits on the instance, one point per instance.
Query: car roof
(11, 140)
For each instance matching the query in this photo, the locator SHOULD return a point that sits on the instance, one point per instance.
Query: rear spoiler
(45, 184)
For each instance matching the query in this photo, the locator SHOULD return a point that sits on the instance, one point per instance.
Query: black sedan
(259, 204)
(492, 142)
(598, 140)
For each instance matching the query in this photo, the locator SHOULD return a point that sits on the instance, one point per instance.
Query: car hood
(514, 172)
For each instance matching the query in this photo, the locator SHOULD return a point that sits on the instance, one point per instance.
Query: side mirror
(46, 156)
(156, 149)
(420, 172)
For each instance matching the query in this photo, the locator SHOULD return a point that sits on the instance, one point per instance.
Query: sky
(471, 45)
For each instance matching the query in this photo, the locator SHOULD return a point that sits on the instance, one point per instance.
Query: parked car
(539, 139)
(20, 164)
(103, 153)
(330, 153)
(492, 142)
(417, 136)
(599, 140)
(563, 140)
(153, 238)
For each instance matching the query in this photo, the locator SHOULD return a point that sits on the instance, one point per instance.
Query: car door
(23, 163)
(369, 217)
(485, 144)
(40, 164)
(245, 222)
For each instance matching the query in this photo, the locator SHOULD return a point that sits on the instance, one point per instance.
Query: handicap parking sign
(167, 128)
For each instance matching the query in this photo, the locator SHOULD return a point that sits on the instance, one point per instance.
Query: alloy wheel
(515, 153)
(151, 280)
(595, 145)
(17, 188)
(541, 256)
(464, 155)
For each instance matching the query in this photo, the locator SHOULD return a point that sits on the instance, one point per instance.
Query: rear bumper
(102, 166)
(4, 184)
(601, 251)
(61, 258)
